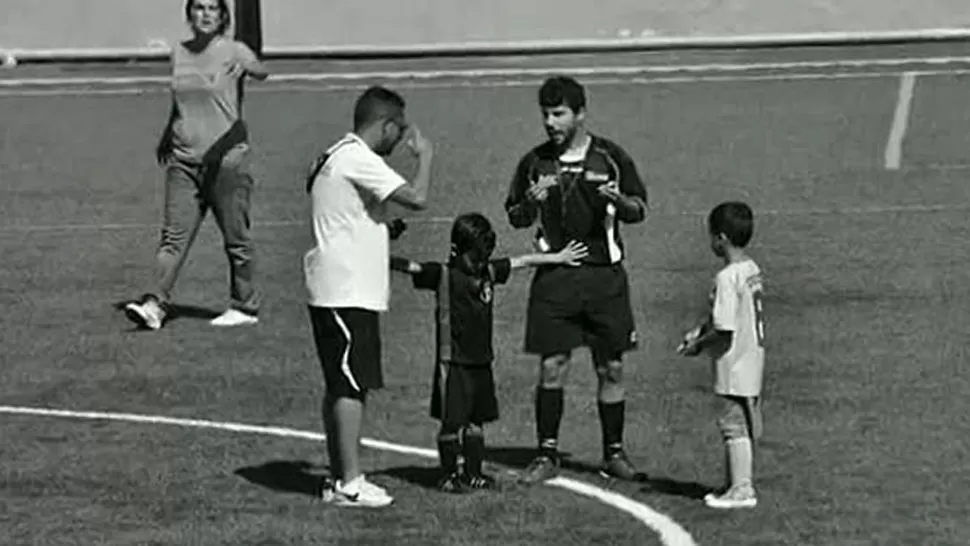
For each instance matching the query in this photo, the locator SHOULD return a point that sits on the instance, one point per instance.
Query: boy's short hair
(472, 240)
(735, 220)
(375, 104)
(560, 91)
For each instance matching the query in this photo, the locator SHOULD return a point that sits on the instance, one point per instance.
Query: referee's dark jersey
(464, 310)
(574, 209)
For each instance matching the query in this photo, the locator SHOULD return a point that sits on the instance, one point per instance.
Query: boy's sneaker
(358, 493)
(452, 483)
(234, 317)
(738, 496)
(147, 313)
(479, 482)
(618, 465)
(542, 468)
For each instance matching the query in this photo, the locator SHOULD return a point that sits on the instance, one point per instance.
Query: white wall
(57, 24)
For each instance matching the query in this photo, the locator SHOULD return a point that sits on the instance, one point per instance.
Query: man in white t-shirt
(347, 273)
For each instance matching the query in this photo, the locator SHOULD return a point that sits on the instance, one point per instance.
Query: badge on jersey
(486, 292)
(546, 181)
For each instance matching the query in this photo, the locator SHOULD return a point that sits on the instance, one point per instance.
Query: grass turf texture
(866, 388)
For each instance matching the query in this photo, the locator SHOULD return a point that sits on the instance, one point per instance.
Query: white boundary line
(487, 83)
(670, 532)
(897, 132)
(516, 72)
(841, 211)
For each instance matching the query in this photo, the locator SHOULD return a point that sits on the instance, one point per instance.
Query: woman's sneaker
(146, 313)
(358, 493)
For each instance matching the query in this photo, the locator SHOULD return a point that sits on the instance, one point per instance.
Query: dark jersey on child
(464, 309)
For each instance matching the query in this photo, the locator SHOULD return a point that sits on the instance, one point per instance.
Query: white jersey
(349, 263)
(736, 307)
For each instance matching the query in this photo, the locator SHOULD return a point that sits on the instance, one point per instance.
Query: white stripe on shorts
(345, 358)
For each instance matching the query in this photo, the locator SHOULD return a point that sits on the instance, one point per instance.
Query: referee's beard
(564, 139)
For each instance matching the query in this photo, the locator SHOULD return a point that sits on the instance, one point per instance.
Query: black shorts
(348, 343)
(463, 395)
(570, 307)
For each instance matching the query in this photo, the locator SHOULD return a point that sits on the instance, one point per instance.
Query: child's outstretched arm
(405, 265)
(571, 254)
(424, 276)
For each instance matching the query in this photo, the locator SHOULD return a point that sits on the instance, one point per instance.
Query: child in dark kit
(463, 397)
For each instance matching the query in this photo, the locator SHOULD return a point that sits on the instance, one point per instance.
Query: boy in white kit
(734, 336)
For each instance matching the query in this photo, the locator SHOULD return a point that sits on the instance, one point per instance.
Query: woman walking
(204, 150)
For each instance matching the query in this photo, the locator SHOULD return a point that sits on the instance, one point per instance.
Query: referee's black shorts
(574, 306)
(348, 343)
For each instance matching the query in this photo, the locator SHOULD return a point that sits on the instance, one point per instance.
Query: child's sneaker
(480, 482)
(358, 493)
(738, 496)
(452, 483)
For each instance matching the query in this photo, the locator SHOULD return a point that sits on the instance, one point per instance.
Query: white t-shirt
(736, 307)
(349, 264)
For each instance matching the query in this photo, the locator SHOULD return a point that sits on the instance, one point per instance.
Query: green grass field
(867, 278)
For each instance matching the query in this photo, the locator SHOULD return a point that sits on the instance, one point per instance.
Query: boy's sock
(449, 448)
(549, 411)
(740, 461)
(611, 424)
(473, 450)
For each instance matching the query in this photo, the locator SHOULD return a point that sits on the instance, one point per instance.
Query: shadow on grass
(426, 477)
(299, 477)
(304, 478)
(180, 311)
(519, 458)
(675, 488)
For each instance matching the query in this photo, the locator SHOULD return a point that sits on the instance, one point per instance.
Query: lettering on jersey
(592, 176)
(754, 283)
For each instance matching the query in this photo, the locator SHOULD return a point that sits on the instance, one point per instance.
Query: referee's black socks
(611, 423)
(549, 410)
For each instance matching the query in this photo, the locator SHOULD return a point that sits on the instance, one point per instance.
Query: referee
(578, 186)
(348, 274)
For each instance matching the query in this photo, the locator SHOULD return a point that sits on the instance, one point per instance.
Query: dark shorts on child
(463, 394)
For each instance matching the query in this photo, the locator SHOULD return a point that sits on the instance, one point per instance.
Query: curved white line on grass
(669, 531)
